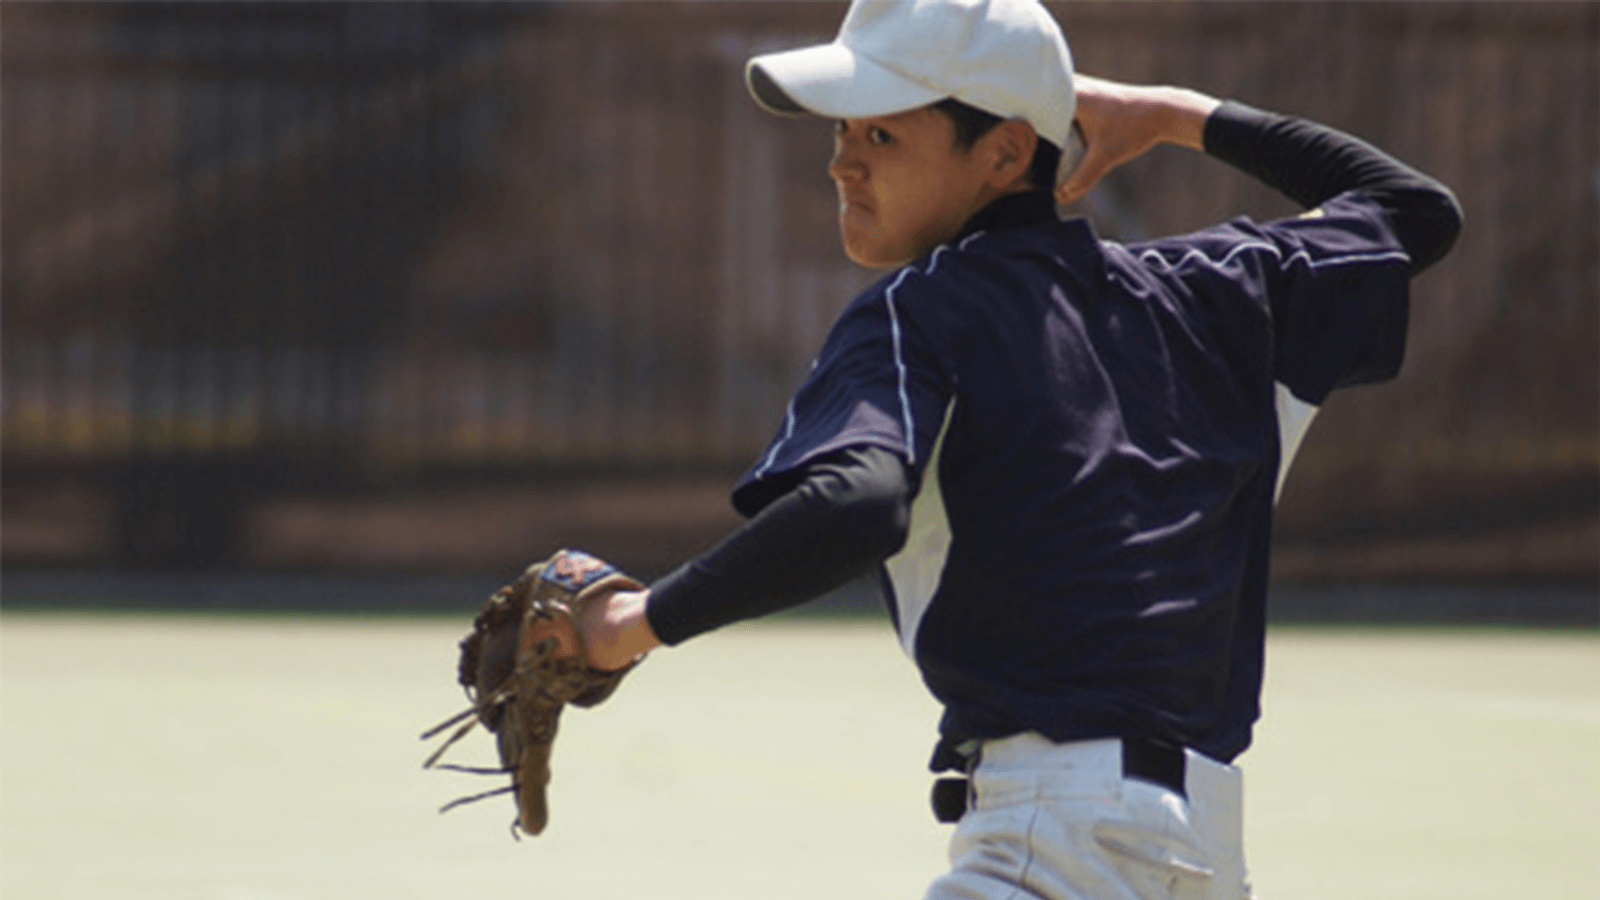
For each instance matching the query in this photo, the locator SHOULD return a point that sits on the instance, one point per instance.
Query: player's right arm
(1308, 162)
(1311, 163)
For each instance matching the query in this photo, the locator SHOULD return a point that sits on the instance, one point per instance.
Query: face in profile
(904, 186)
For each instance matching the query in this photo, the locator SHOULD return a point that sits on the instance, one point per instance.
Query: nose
(844, 166)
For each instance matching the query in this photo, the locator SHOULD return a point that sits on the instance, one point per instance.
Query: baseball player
(1060, 453)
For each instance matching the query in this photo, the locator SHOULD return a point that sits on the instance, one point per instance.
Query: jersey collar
(1012, 211)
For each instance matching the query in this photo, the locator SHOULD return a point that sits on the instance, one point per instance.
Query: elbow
(863, 501)
(1427, 222)
(873, 522)
(885, 523)
(1450, 218)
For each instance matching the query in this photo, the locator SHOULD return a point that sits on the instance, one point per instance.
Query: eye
(875, 135)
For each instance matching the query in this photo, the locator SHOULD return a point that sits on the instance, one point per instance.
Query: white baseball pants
(1060, 822)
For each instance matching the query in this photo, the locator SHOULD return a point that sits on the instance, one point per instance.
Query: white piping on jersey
(894, 330)
(1285, 261)
(933, 260)
(900, 367)
(915, 571)
(788, 432)
(1294, 418)
(906, 420)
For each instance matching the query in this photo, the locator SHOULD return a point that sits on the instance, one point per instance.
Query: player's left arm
(846, 512)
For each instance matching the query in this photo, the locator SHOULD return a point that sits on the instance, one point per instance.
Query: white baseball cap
(1005, 57)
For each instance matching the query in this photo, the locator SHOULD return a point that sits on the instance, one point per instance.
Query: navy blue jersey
(1098, 431)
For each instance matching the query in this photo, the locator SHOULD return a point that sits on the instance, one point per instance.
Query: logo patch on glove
(575, 570)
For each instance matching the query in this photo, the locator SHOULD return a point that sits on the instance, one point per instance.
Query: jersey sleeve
(878, 381)
(1335, 281)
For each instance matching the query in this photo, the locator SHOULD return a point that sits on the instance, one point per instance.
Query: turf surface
(166, 757)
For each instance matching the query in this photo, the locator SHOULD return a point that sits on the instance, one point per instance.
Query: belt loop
(1156, 762)
(954, 795)
(950, 799)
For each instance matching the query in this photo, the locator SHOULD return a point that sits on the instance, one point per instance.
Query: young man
(1061, 453)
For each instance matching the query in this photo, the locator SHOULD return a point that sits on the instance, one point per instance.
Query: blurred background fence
(435, 286)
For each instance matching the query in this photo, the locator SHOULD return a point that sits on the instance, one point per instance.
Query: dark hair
(971, 123)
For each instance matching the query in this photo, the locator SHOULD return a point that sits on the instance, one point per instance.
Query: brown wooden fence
(262, 249)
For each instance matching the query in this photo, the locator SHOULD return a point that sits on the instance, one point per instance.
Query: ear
(1010, 146)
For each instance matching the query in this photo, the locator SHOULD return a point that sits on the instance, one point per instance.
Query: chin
(886, 262)
(873, 257)
(872, 262)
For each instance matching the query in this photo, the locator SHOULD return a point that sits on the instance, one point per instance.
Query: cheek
(934, 200)
(865, 241)
(866, 230)
(912, 210)
(922, 220)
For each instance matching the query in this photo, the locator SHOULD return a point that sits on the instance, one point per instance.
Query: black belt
(1146, 760)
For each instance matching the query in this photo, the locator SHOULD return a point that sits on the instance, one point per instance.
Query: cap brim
(833, 81)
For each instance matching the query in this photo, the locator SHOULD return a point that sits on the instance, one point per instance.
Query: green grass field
(270, 758)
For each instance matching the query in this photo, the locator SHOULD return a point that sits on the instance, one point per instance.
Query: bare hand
(1121, 122)
(614, 631)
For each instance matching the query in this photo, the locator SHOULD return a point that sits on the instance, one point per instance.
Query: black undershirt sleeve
(1312, 163)
(847, 513)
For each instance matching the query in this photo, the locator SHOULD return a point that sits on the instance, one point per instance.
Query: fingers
(1083, 179)
(558, 628)
(1121, 122)
(1098, 161)
(1102, 108)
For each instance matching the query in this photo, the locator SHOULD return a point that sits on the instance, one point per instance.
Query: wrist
(1183, 115)
(620, 632)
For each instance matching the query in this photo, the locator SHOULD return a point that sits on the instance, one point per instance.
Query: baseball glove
(518, 684)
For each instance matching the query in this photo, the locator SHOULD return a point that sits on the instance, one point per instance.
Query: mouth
(851, 200)
(849, 205)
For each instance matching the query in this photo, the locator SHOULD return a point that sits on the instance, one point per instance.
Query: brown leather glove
(516, 682)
